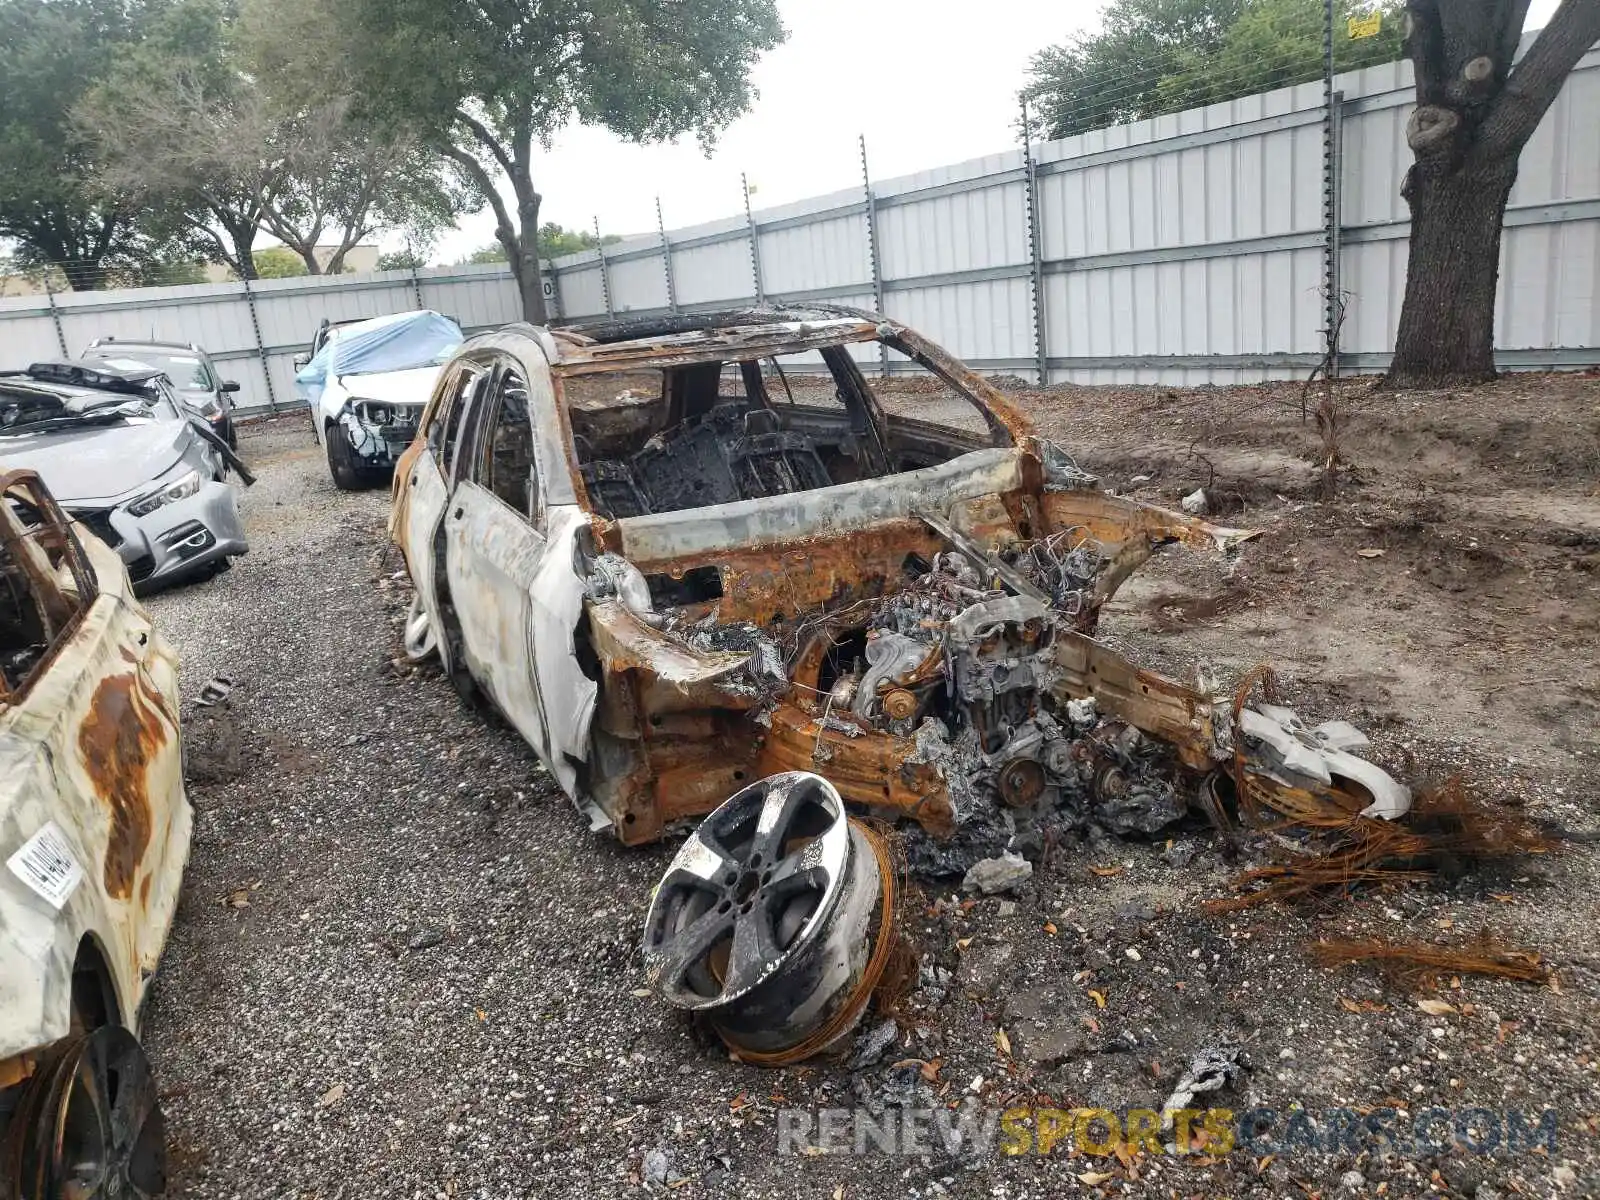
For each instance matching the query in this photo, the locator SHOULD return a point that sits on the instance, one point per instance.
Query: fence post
(1041, 351)
(1332, 130)
(605, 269)
(55, 315)
(261, 347)
(1336, 236)
(755, 241)
(554, 303)
(666, 259)
(872, 251)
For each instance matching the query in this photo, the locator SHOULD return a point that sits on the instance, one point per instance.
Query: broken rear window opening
(44, 581)
(720, 430)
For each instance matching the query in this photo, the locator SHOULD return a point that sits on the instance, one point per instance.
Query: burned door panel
(424, 511)
(491, 559)
(90, 761)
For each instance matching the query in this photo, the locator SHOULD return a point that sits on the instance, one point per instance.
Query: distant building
(13, 283)
(360, 258)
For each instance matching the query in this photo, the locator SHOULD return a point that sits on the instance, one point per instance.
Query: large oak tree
(51, 205)
(233, 119)
(494, 80)
(1476, 110)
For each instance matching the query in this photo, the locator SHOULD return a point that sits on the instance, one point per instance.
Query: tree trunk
(1446, 336)
(1477, 106)
(522, 253)
(242, 236)
(531, 286)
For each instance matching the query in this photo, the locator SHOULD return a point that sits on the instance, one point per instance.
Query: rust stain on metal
(118, 740)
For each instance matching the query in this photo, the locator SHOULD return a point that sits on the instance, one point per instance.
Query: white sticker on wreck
(47, 865)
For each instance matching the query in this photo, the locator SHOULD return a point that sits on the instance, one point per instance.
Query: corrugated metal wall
(1186, 249)
(253, 333)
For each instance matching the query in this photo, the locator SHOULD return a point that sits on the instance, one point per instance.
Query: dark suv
(190, 369)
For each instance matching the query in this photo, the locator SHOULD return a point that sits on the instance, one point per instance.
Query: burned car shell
(549, 605)
(89, 750)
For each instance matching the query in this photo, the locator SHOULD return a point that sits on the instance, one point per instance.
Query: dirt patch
(1483, 609)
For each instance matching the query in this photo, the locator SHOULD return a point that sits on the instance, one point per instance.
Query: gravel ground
(404, 968)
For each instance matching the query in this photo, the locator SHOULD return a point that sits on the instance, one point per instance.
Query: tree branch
(1537, 79)
(505, 232)
(486, 137)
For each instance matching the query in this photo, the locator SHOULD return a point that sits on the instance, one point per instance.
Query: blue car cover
(422, 339)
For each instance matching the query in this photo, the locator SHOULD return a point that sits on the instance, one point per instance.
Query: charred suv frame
(683, 554)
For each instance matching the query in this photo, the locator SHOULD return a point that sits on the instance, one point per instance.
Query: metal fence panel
(581, 290)
(720, 271)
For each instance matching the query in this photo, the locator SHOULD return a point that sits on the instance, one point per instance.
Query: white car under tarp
(366, 387)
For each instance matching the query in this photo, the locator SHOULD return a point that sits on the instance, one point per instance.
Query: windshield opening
(26, 411)
(187, 372)
(417, 340)
(666, 439)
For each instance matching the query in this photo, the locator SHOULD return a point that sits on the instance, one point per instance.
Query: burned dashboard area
(669, 438)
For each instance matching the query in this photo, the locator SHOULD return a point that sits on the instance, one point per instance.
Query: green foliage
(230, 117)
(648, 70)
(51, 53)
(167, 274)
(402, 260)
(279, 262)
(167, 124)
(554, 241)
(1160, 56)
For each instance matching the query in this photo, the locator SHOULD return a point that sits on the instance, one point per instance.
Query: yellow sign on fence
(1367, 26)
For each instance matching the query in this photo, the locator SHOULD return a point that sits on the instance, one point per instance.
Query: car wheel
(90, 1123)
(420, 644)
(347, 475)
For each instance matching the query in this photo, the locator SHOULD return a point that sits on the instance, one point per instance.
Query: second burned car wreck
(686, 554)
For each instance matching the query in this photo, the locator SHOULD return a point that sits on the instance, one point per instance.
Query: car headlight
(184, 486)
(374, 412)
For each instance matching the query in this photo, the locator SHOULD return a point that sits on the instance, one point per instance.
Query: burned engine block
(968, 671)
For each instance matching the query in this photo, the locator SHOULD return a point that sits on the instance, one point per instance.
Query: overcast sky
(927, 81)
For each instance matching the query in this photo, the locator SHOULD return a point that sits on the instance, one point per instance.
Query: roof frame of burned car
(749, 334)
(488, 353)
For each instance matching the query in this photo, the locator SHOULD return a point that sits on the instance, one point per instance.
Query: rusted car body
(94, 832)
(673, 577)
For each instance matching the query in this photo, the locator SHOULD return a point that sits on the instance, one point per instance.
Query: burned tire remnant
(772, 920)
